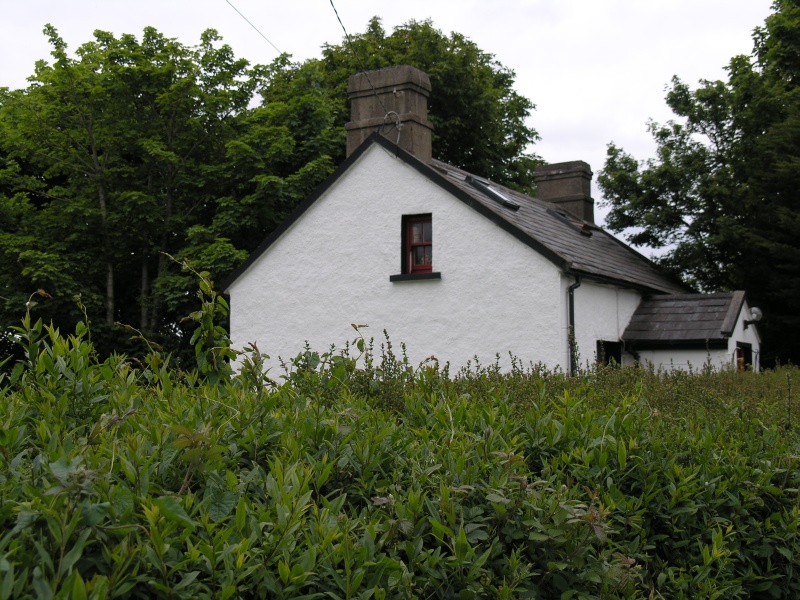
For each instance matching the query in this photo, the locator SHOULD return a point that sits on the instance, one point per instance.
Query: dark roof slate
(684, 318)
(575, 246)
(582, 247)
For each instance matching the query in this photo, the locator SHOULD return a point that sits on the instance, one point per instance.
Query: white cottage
(457, 266)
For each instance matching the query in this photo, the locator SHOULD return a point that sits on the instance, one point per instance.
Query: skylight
(484, 186)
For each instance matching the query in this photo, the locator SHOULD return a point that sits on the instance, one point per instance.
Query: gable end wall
(331, 268)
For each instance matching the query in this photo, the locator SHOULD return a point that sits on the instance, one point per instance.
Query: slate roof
(577, 247)
(683, 319)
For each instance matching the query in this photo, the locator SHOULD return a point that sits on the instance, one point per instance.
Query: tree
(137, 151)
(721, 197)
(104, 171)
(479, 120)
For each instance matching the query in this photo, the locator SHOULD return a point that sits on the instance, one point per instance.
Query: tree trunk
(161, 271)
(144, 296)
(109, 292)
(101, 195)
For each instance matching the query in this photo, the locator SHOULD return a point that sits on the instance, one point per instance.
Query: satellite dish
(755, 316)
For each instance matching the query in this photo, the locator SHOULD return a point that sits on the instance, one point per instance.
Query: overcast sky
(596, 69)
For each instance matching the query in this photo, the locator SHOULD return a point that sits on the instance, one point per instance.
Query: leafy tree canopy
(134, 151)
(479, 120)
(128, 153)
(721, 197)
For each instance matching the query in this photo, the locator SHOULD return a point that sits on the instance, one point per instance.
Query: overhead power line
(358, 58)
(253, 26)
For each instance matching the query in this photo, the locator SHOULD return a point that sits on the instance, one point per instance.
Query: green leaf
(41, 586)
(71, 557)
(241, 514)
(622, 453)
(172, 509)
(220, 503)
(440, 530)
(25, 518)
(497, 498)
(92, 514)
(187, 580)
(123, 501)
(284, 571)
(461, 546)
(227, 592)
(6, 578)
(63, 469)
(78, 587)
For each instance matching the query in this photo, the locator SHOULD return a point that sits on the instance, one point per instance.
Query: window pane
(416, 233)
(419, 255)
(427, 232)
(428, 255)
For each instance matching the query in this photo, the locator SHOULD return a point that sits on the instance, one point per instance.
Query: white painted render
(747, 335)
(331, 268)
(686, 360)
(496, 295)
(602, 312)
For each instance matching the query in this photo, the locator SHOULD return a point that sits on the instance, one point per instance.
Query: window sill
(415, 277)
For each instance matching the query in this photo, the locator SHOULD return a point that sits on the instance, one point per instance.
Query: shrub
(376, 479)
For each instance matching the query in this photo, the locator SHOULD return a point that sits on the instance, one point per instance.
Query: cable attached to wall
(398, 124)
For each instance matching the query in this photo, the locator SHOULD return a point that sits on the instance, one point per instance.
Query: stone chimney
(568, 186)
(382, 99)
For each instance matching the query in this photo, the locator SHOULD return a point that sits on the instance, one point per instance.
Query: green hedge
(385, 481)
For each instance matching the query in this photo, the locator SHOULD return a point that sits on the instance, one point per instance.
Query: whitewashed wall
(602, 312)
(686, 360)
(331, 268)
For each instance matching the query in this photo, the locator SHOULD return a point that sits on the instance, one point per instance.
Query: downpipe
(572, 343)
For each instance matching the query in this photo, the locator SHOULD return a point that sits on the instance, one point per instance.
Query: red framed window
(417, 244)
